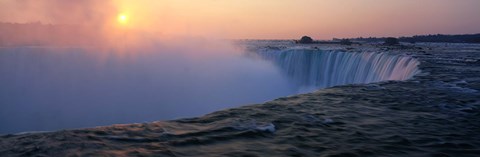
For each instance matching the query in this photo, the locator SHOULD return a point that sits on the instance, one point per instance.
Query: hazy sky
(260, 19)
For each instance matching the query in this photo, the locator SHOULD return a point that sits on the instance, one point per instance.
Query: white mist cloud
(57, 11)
(48, 88)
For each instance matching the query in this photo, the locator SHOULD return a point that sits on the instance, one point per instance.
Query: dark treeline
(38, 34)
(465, 38)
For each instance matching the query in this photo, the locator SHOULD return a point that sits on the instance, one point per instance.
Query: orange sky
(259, 19)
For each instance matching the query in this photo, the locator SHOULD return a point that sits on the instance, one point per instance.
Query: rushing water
(321, 69)
(58, 88)
(434, 113)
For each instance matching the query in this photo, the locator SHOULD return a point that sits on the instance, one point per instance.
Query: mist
(50, 88)
(91, 12)
(80, 67)
(266, 19)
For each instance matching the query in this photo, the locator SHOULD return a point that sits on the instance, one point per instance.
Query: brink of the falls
(326, 68)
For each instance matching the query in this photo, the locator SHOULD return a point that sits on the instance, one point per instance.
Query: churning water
(58, 88)
(327, 68)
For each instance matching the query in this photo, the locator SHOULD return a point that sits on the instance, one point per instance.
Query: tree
(345, 42)
(391, 41)
(306, 40)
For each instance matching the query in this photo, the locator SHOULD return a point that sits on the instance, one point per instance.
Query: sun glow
(122, 18)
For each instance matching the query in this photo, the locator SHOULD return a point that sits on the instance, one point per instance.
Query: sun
(122, 18)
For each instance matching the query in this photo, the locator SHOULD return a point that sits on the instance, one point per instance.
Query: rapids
(434, 113)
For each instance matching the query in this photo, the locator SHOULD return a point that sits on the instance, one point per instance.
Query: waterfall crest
(327, 68)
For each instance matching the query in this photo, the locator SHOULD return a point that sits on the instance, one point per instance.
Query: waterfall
(327, 68)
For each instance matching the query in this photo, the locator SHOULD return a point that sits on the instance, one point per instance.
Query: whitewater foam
(326, 68)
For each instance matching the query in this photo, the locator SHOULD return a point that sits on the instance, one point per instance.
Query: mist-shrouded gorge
(239, 78)
(46, 88)
(377, 100)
